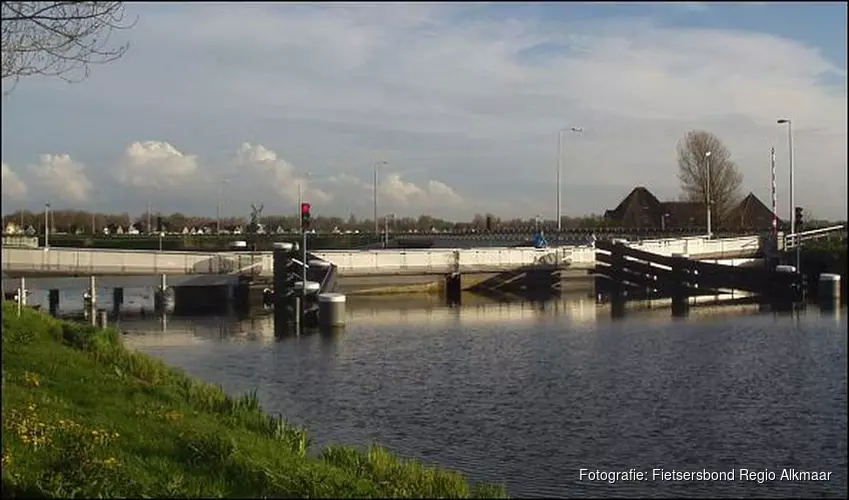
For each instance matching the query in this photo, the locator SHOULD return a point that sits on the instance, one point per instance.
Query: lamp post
(792, 186)
(218, 206)
(707, 193)
(47, 225)
(577, 130)
(377, 163)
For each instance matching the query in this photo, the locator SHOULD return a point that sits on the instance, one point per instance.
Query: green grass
(85, 417)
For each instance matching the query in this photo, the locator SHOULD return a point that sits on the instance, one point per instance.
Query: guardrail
(792, 240)
(348, 263)
(20, 241)
(98, 262)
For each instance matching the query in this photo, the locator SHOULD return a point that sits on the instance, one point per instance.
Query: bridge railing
(791, 240)
(68, 260)
(700, 245)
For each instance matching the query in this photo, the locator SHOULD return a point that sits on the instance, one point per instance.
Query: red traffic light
(305, 208)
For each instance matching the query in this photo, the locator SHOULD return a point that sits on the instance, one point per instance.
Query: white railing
(791, 240)
(348, 263)
(72, 260)
(20, 241)
(699, 246)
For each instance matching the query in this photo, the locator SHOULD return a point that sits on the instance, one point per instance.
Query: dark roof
(751, 213)
(639, 209)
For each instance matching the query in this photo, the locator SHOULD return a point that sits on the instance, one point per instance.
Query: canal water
(531, 393)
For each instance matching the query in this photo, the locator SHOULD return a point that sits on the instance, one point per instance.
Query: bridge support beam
(680, 300)
(453, 288)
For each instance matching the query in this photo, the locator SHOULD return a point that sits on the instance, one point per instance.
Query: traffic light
(305, 216)
(798, 216)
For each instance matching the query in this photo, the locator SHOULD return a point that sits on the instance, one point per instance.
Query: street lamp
(707, 193)
(47, 225)
(218, 207)
(577, 130)
(377, 163)
(792, 186)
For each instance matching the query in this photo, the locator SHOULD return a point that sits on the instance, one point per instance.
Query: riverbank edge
(85, 416)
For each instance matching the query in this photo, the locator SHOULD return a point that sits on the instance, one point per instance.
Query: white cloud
(156, 164)
(61, 178)
(475, 101)
(263, 168)
(13, 187)
(405, 194)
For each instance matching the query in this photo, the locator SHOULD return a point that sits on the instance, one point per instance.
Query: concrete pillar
(53, 302)
(117, 300)
(828, 290)
(331, 310)
(453, 288)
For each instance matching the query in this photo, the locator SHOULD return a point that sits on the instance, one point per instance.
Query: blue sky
(463, 102)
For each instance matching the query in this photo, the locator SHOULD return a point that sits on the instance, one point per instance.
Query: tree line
(80, 221)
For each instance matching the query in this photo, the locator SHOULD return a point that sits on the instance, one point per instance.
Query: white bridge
(90, 262)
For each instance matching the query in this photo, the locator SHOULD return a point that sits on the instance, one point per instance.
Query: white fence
(700, 246)
(86, 261)
(349, 263)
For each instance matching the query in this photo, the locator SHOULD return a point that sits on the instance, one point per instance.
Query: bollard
(331, 310)
(297, 312)
(828, 290)
(102, 318)
(23, 293)
(53, 302)
(680, 300)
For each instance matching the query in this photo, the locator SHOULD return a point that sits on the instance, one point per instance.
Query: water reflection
(530, 392)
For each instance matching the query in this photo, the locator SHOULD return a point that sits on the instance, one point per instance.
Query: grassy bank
(83, 416)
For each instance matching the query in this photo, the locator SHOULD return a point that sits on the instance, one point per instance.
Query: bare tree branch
(58, 38)
(693, 163)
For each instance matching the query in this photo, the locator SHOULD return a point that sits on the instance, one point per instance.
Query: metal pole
(374, 182)
(708, 194)
(559, 169)
(300, 219)
(93, 227)
(793, 194)
(303, 275)
(148, 215)
(774, 195)
(385, 231)
(218, 209)
(47, 225)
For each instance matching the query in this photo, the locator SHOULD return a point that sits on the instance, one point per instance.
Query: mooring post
(23, 293)
(92, 286)
(53, 301)
(680, 300)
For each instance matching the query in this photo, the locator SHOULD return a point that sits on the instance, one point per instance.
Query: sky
(459, 103)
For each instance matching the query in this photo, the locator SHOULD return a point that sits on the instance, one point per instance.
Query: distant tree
(56, 38)
(693, 164)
